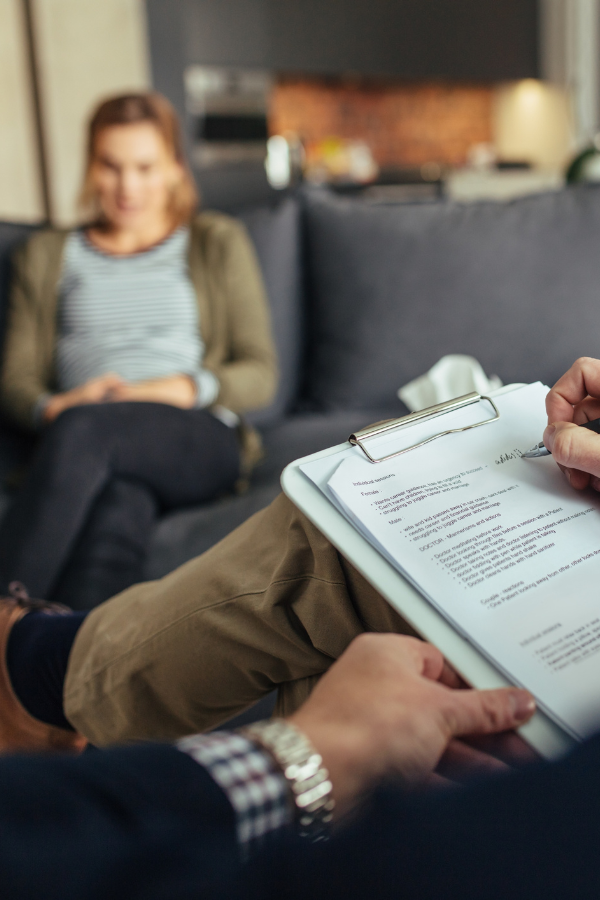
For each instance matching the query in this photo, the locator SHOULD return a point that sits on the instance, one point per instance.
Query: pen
(540, 450)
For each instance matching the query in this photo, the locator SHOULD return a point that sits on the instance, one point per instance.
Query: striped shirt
(134, 315)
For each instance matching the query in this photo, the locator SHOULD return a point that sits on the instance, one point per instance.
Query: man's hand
(391, 706)
(175, 390)
(96, 390)
(575, 399)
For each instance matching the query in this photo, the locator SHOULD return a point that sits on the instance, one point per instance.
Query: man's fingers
(434, 781)
(428, 660)
(574, 447)
(578, 479)
(574, 399)
(582, 380)
(509, 747)
(586, 411)
(487, 712)
(462, 762)
(451, 678)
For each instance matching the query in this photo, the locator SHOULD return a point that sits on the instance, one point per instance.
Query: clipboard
(541, 732)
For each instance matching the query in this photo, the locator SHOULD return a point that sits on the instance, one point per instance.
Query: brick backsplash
(404, 124)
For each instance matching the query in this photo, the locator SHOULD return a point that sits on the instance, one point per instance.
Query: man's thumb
(488, 712)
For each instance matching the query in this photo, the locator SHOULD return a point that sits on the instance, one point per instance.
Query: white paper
(502, 546)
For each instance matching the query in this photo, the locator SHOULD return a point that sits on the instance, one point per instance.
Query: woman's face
(133, 175)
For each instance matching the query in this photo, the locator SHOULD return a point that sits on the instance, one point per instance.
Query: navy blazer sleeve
(137, 823)
(148, 823)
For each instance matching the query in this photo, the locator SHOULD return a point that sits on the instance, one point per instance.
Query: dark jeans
(79, 529)
(147, 823)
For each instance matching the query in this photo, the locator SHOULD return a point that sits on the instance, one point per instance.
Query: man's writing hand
(391, 706)
(575, 399)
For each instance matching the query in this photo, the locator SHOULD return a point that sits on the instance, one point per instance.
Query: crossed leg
(271, 606)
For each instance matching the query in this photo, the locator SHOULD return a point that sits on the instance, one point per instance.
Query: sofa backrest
(392, 289)
(275, 232)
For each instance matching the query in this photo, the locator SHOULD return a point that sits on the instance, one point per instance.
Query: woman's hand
(175, 390)
(96, 390)
(575, 399)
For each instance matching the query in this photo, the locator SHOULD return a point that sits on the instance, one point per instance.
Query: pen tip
(535, 452)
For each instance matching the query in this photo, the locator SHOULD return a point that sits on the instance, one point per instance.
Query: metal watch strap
(303, 769)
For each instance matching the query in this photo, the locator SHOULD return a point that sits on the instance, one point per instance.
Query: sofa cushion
(275, 233)
(517, 285)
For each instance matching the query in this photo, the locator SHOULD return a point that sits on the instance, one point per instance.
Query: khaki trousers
(271, 606)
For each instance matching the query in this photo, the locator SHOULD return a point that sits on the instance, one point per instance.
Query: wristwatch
(303, 769)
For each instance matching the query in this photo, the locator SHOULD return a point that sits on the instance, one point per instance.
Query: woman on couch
(133, 344)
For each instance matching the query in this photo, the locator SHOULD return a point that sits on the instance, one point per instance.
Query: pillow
(395, 288)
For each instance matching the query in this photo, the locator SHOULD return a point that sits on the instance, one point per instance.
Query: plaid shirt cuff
(255, 787)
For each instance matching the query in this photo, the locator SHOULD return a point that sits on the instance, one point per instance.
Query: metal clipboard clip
(439, 409)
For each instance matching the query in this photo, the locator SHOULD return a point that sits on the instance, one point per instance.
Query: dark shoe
(19, 731)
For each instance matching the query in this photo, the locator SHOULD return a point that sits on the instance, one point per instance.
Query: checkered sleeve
(255, 787)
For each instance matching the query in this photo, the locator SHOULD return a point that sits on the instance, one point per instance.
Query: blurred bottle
(284, 162)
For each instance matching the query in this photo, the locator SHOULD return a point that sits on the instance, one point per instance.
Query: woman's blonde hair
(129, 109)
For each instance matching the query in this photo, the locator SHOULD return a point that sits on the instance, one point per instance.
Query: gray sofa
(364, 298)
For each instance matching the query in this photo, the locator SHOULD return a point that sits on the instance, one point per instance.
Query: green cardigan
(234, 320)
